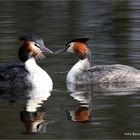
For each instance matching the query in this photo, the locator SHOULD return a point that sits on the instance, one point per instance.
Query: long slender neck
(82, 64)
(78, 68)
(31, 65)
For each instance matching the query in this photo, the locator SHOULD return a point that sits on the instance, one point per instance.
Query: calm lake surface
(87, 112)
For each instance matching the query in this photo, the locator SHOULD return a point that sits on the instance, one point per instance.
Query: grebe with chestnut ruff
(83, 73)
(27, 74)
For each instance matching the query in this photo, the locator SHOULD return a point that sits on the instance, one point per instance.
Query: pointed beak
(60, 51)
(46, 50)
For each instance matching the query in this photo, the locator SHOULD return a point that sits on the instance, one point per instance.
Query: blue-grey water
(87, 112)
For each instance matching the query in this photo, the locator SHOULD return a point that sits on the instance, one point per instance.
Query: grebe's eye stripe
(67, 46)
(36, 45)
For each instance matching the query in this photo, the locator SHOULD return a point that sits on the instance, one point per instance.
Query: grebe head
(77, 46)
(31, 45)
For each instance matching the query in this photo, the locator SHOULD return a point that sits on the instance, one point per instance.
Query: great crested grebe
(82, 72)
(28, 74)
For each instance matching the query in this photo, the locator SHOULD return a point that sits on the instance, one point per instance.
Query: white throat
(78, 68)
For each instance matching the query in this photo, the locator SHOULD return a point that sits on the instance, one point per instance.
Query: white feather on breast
(38, 77)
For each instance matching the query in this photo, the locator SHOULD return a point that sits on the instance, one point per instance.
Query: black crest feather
(31, 37)
(82, 40)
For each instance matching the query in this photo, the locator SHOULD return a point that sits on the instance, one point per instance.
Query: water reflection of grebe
(83, 97)
(82, 114)
(32, 118)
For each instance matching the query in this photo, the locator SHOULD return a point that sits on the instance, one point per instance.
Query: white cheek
(70, 49)
(35, 49)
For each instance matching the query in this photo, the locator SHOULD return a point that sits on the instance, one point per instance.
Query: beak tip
(59, 51)
(46, 50)
(51, 52)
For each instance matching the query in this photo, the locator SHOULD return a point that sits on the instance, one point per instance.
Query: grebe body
(83, 73)
(27, 74)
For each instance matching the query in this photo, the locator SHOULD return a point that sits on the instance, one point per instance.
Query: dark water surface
(113, 27)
